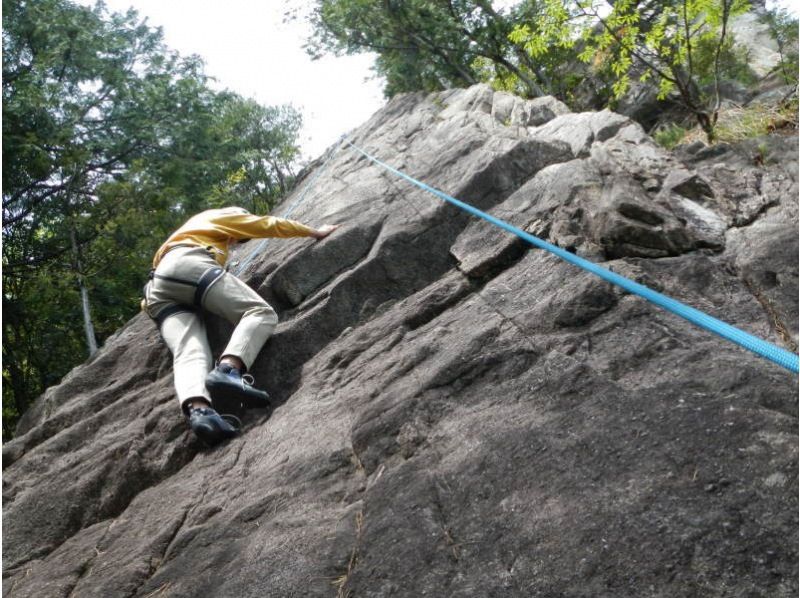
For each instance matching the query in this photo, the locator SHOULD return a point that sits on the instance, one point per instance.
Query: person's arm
(248, 226)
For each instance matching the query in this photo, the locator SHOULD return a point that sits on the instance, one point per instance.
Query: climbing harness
(170, 310)
(208, 278)
(759, 346)
(201, 287)
(262, 245)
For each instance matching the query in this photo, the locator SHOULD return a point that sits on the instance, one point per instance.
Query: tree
(433, 44)
(261, 143)
(783, 26)
(83, 96)
(660, 40)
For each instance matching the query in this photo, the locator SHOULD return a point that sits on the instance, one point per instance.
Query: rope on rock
(263, 243)
(752, 343)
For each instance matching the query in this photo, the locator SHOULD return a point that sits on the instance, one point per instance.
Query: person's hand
(324, 230)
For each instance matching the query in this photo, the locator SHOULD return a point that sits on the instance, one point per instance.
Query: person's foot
(211, 427)
(227, 385)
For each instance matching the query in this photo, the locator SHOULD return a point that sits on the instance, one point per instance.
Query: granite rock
(456, 413)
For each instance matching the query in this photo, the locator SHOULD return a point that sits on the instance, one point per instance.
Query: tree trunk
(692, 99)
(279, 174)
(91, 340)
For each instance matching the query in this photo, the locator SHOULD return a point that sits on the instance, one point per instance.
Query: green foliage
(679, 43)
(784, 28)
(112, 139)
(670, 136)
(432, 44)
(496, 76)
(732, 64)
(763, 153)
(414, 41)
(551, 28)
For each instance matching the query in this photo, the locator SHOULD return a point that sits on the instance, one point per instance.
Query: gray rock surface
(752, 34)
(457, 414)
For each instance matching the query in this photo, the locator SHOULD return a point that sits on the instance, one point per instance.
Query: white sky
(249, 50)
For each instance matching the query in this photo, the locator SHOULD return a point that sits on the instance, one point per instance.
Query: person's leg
(254, 318)
(185, 335)
(169, 300)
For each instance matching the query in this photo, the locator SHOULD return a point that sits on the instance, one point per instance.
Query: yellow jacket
(215, 229)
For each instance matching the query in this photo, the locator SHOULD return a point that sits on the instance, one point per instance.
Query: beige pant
(173, 292)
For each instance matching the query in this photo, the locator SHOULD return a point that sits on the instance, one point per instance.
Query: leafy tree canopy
(435, 44)
(679, 43)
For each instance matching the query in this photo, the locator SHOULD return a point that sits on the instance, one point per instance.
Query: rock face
(457, 414)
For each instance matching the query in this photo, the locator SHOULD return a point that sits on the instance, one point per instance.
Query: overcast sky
(250, 50)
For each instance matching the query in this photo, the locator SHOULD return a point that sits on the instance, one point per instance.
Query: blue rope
(761, 347)
(262, 245)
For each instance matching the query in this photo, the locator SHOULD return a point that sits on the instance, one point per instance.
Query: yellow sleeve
(248, 226)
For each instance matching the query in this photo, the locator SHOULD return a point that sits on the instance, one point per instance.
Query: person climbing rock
(188, 277)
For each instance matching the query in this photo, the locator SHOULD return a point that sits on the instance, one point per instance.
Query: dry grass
(738, 123)
(340, 583)
(769, 308)
(159, 591)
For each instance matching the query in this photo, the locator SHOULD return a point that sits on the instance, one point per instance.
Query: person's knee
(265, 315)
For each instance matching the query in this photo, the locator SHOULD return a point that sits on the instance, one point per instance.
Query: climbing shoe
(228, 386)
(211, 427)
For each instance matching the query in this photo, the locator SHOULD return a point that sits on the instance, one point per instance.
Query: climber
(187, 276)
